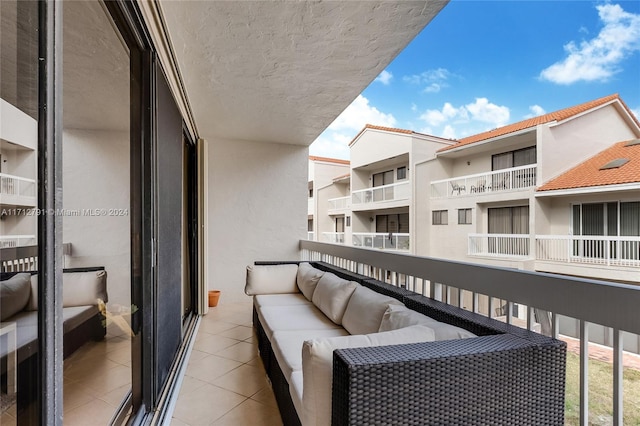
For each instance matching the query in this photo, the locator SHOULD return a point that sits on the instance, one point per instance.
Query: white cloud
(451, 121)
(536, 110)
(414, 107)
(384, 77)
(334, 141)
(359, 113)
(599, 58)
(433, 80)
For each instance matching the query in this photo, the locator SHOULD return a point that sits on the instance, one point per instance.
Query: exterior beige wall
(323, 222)
(322, 174)
(257, 209)
(564, 146)
(378, 145)
(96, 176)
(421, 227)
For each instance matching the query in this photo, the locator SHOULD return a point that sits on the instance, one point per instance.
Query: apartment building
(322, 171)
(179, 132)
(539, 194)
(371, 206)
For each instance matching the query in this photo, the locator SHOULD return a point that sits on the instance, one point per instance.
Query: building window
(401, 173)
(384, 178)
(464, 216)
(348, 221)
(520, 157)
(440, 217)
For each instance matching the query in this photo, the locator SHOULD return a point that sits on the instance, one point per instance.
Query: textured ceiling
(282, 71)
(95, 70)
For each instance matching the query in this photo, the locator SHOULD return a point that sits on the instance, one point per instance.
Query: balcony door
(381, 179)
(509, 221)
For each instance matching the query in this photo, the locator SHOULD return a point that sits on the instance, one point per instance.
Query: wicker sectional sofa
(345, 349)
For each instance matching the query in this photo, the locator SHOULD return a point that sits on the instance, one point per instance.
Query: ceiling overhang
(283, 71)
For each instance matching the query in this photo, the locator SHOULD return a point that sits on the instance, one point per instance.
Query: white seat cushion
(288, 299)
(317, 366)
(365, 310)
(397, 317)
(287, 346)
(332, 296)
(295, 390)
(294, 317)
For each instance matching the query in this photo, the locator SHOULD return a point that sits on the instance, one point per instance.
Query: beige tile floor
(225, 382)
(96, 379)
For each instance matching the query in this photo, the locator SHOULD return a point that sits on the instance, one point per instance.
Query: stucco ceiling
(95, 70)
(282, 71)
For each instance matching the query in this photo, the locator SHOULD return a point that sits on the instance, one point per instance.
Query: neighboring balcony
(17, 191)
(333, 237)
(513, 179)
(310, 206)
(379, 195)
(588, 249)
(10, 241)
(339, 205)
(310, 235)
(382, 241)
(499, 245)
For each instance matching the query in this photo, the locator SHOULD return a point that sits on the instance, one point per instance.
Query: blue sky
(483, 64)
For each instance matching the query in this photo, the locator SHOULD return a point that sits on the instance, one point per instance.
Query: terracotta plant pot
(214, 296)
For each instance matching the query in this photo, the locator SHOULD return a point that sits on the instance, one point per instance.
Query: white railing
(311, 236)
(614, 250)
(499, 245)
(515, 178)
(377, 194)
(18, 188)
(383, 241)
(333, 237)
(340, 203)
(8, 241)
(548, 299)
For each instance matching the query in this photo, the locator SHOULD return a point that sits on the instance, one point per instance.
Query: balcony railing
(499, 245)
(311, 235)
(383, 241)
(340, 203)
(377, 194)
(310, 206)
(584, 249)
(333, 237)
(8, 241)
(17, 190)
(548, 299)
(515, 178)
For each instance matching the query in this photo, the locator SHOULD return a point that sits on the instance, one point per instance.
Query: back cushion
(317, 366)
(397, 317)
(365, 310)
(271, 279)
(332, 296)
(14, 295)
(307, 279)
(78, 289)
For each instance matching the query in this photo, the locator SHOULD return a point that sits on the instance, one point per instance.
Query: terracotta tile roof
(560, 115)
(386, 129)
(590, 174)
(329, 160)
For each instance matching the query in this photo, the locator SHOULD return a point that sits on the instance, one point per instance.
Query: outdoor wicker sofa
(505, 376)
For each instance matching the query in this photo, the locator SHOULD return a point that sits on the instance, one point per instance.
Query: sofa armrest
(496, 379)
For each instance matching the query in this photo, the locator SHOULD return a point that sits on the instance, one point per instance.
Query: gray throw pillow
(14, 294)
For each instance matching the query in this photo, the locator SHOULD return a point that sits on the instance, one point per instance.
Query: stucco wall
(257, 209)
(96, 176)
(375, 145)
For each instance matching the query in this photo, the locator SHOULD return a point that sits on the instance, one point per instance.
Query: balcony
(382, 241)
(578, 311)
(333, 237)
(310, 206)
(339, 205)
(590, 250)
(368, 198)
(311, 235)
(499, 245)
(17, 191)
(513, 179)
(10, 241)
